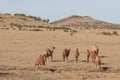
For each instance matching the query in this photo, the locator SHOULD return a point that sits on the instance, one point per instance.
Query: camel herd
(66, 52)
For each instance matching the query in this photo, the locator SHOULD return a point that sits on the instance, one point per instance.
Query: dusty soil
(19, 50)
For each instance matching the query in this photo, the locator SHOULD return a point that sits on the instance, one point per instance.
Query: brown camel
(98, 63)
(95, 49)
(40, 61)
(50, 53)
(66, 53)
(87, 54)
(45, 54)
(76, 55)
(93, 56)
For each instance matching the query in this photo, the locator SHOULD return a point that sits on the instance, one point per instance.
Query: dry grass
(19, 50)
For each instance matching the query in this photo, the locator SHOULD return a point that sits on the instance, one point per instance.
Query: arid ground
(20, 49)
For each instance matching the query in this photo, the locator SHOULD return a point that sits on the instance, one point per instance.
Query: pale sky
(106, 10)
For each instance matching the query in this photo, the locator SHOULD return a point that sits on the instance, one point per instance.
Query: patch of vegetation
(106, 33)
(17, 25)
(115, 33)
(72, 32)
(40, 26)
(65, 29)
(35, 30)
(46, 20)
(19, 14)
(109, 33)
(34, 17)
(5, 28)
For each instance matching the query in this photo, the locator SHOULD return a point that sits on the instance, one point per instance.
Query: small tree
(46, 20)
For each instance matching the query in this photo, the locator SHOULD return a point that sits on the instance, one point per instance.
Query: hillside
(85, 22)
(32, 23)
(21, 22)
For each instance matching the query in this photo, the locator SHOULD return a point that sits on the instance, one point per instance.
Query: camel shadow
(84, 61)
(105, 68)
(4, 73)
(57, 61)
(103, 56)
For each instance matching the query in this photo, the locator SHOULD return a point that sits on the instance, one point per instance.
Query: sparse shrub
(36, 30)
(5, 28)
(46, 20)
(19, 28)
(106, 33)
(109, 33)
(115, 33)
(34, 17)
(34, 26)
(19, 14)
(17, 25)
(65, 30)
(61, 28)
(30, 26)
(74, 31)
(40, 27)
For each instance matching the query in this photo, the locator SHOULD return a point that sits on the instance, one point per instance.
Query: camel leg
(100, 67)
(67, 58)
(76, 59)
(63, 58)
(45, 58)
(87, 59)
(51, 58)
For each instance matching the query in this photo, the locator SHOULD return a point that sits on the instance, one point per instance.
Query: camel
(98, 63)
(45, 54)
(93, 55)
(40, 61)
(66, 53)
(87, 54)
(95, 49)
(76, 55)
(48, 52)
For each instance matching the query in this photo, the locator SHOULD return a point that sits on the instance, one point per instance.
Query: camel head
(53, 47)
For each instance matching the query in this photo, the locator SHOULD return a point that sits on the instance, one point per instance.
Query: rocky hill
(32, 23)
(84, 22)
(21, 22)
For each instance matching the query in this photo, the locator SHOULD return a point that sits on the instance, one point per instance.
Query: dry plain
(19, 50)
